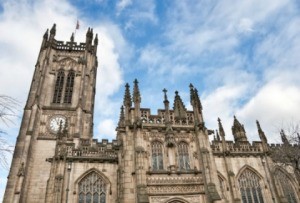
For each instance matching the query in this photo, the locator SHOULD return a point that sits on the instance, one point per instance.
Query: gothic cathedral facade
(163, 158)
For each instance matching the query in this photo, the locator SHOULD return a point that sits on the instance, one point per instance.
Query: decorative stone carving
(174, 180)
(176, 189)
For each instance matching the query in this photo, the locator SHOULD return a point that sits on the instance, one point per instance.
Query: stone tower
(59, 107)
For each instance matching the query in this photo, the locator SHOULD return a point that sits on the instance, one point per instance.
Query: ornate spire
(53, 30)
(165, 95)
(195, 100)
(136, 92)
(283, 137)
(221, 130)
(122, 117)
(261, 133)
(238, 131)
(46, 34)
(218, 136)
(127, 97)
(96, 40)
(179, 108)
(72, 37)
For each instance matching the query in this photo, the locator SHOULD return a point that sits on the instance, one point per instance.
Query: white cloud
(122, 4)
(107, 129)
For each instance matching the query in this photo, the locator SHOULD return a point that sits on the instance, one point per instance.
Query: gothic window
(59, 87)
(69, 87)
(92, 189)
(250, 188)
(183, 156)
(286, 186)
(222, 187)
(157, 155)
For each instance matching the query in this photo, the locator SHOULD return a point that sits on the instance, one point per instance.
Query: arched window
(183, 156)
(58, 87)
(286, 186)
(222, 187)
(92, 189)
(69, 87)
(157, 155)
(250, 188)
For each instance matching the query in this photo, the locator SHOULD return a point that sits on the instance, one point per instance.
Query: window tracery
(183, 155)
(157, 155)
(250, 188)
(69, 87)
(59, 87)
(222, 187)
(286, 186)
(92, 189)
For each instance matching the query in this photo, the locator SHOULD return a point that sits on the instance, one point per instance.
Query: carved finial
(261, 133)
(283, 137)
(72, 37)
(221, 130)
(96, 40)
(122, 117)
(46, 34)
(88, 32)
(127, 97)
(179, 108)
(218, 136)
(165, 95)
(53, 30)
(136, 92)
(238, 131)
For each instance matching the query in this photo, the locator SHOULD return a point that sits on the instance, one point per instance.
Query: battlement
(68, 46)
(93, 150)
(160, 118)
(237, 148)
(89, 45)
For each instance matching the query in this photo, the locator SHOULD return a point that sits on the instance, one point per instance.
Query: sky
(242, 56)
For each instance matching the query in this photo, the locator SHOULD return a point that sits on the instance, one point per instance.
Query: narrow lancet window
(183, 155)
(69, 87)
(250, 188)
(58, 87)
(92, 188)
(157, 156)
(286, 186)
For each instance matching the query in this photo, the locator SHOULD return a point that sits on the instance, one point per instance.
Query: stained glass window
(69, 87)
(183, 156)
(250, 187)
(92, 189)
(58, 87)
(157, 156)
(286, 186)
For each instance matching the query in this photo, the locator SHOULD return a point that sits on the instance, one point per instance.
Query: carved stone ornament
(176, 189)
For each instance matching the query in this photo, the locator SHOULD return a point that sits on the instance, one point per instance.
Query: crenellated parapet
(237, 149)
(89, 45)
(149, 119)
(88, 150)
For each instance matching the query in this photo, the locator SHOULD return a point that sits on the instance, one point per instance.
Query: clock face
(56, 121)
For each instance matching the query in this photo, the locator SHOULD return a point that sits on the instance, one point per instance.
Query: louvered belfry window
(286, 186)
(183, 155)
(92, 189)
(157, 156)
(59, 85)
(250, 188)
(69, 87)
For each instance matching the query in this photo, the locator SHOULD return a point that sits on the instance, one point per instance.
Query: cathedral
(165, 157)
